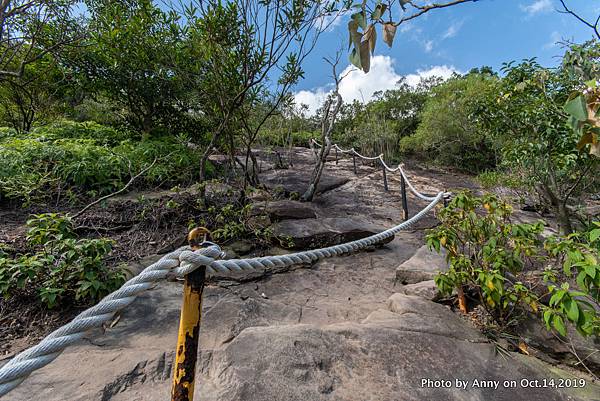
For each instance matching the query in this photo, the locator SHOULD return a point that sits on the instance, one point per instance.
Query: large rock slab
(247, 355)
(317, 233)
(290, 181)
(285, 209)
(397, 353)
(423, 266)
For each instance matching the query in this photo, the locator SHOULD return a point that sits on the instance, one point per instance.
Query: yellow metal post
(184, 370)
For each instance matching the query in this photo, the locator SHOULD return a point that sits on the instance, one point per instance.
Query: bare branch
(433, 6)
(593, 26)
(131, 181)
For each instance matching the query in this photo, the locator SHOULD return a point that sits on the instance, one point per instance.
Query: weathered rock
(253, 349)
(389, 356)
(423, 266)
(535, 334)
(316, 233)
(290, 181)
(241, 247)
(285, 209)
(425, 289)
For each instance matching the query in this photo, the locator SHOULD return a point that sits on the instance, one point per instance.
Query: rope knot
(191, 260)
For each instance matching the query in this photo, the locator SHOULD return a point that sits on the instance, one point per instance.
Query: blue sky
(488, 32)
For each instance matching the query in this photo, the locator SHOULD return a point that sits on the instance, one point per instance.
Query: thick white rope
(179, 262)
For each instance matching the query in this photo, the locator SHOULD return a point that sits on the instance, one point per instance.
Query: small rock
(241, 247)
(423, 266)
(426, 289)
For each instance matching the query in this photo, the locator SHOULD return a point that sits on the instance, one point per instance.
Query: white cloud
(313, 99)
(538, 6)
(442, 71)
(453, 30)
(360, 86)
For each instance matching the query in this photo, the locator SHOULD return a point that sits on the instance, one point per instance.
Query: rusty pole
(184, 370)
(354, 162)
(404, 200)
(336, 156)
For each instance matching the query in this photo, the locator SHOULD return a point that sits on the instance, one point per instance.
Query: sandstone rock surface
(342, 329)
(423, 266)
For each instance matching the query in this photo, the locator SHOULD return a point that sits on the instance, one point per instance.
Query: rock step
(317, 233)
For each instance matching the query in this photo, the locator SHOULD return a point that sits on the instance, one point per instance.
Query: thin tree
(331, 109)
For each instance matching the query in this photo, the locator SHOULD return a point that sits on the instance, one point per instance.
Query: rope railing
(183, 262)
(399, 168)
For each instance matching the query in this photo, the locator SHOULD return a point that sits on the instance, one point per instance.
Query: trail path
(345, 328)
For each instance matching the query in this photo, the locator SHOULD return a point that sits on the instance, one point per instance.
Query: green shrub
(272, 137)
(491, 179)
(87, 158)
(488, 254)
(99, 134)
(576, 256)
(451, 132)
(6, 132)
(62, 269)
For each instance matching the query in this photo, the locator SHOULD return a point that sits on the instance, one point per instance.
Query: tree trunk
(203, 164)
(559, 207)
(316, 175)
(564, 219)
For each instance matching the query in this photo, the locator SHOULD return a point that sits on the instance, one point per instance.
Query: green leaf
(577, 108)
(403, 3)
(547, 317)
(559, 325)
(354, 58)
(594, 235)
(590, 271)
(572, 310)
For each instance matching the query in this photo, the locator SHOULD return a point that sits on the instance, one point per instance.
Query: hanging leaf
(587, 138)
(559, 325)
(360, 19)
(389, 31)
(353, 33)
(365, 56)
(379, 10)
(403, 3)
(370, 36)
(577, 107)
(354, 58)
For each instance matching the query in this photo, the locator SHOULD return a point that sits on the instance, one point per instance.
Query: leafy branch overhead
(583, 105)
(362, 25)
(584, 117)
